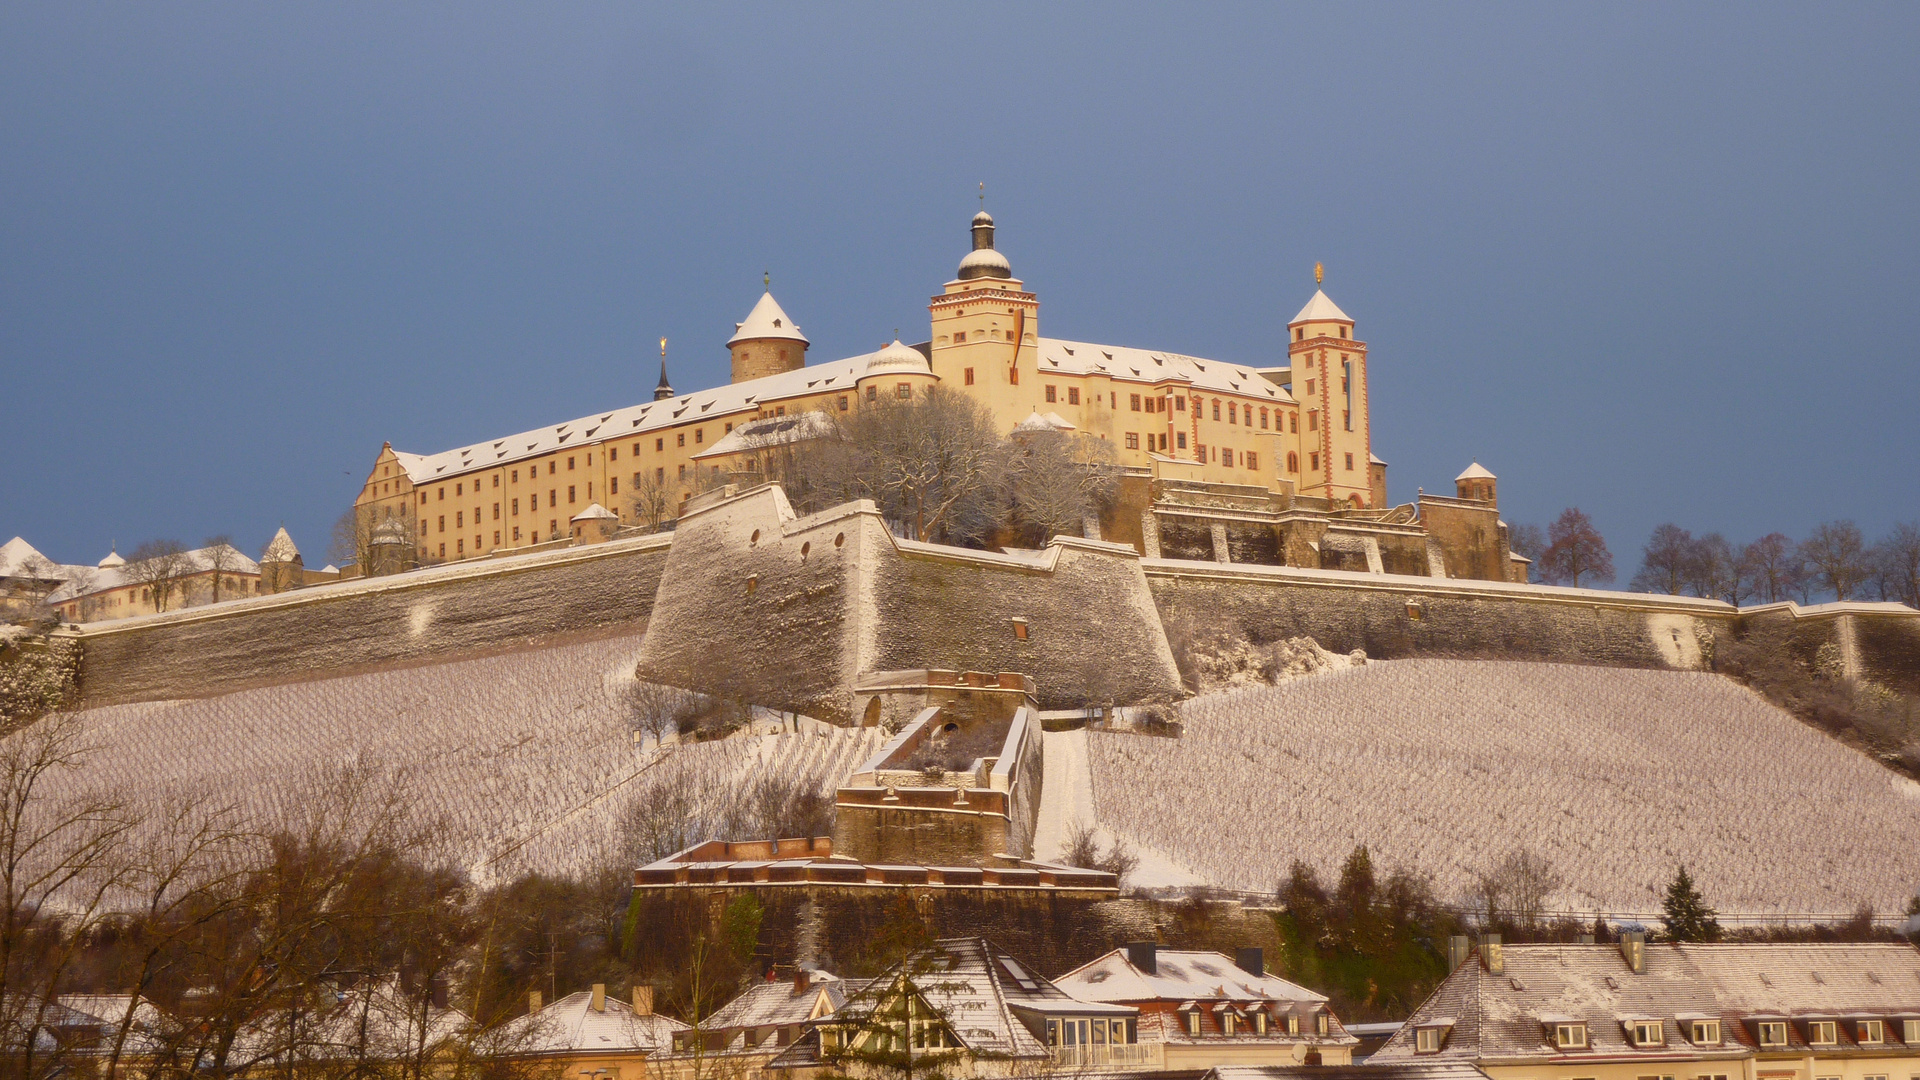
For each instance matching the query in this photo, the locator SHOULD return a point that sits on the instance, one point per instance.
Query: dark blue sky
(1657, 261)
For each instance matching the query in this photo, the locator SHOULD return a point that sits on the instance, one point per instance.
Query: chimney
(599, 997)
(1459, 948)
(642, 1000)
(1633, 946)
(1251, 961)
(1490, 953)
(534, 1001)
(1144, 955)
(802, 978)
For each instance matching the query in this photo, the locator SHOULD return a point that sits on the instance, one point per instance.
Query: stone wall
(436, 613)
(1391, 616)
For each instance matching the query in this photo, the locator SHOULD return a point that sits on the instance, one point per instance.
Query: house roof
(766, 320)
(768, 432)
(1320, 309)
(20, 559)
(1476, 471)
(1152, 366)
(777, 1004)
(86, 581)
(1499, 1017)
(594, 512)
(1180, 975)
(572, 1026)
(280, 548)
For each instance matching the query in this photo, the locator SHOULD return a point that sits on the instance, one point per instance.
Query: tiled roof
(775, 1004)
(571, 1026)
(1179, 975)
(1496, 1017)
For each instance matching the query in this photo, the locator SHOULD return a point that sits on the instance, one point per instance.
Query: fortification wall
(1395, 616)
(1876, 642)
(434, 613)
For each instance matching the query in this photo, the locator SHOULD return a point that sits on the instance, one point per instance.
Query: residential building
(744, 1034)
(964, 1007)
(1200, 1010)
(591, 1033)
(116, 589)
(1640, 1011)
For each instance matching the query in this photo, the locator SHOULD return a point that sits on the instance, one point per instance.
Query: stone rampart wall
(1395, 616)
(435, 613)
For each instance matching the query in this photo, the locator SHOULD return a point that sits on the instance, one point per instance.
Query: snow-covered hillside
(525, 757)
(1616, 776)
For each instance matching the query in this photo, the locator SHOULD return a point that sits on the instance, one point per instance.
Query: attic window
(1429, 1040)
(1870, 1033)
(1646, 1033)
(776, 322)
(1704, 1032)
(1773, 1033)
(1822, 1032)
(1571, 1035)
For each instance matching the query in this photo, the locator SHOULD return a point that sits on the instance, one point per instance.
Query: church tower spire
(664, 390)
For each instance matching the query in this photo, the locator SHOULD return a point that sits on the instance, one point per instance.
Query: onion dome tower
(898, 372)
(983, 261)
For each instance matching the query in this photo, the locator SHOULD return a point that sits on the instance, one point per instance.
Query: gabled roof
(1475, 471)
(766, 320)
(1151, 366)
(1501, 1017)
(776, 1004)
(86, 581)
(19, 559)
(1320, 309)
(1180, 975)
(571, 1026)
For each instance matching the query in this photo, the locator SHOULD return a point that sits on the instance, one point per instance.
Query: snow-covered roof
(898, 358)
(112, 559)
(766, 320)
(20, 559)
(594, 512)
(572, 1026)
(1475, 471)
(280, 548)
(777, 1004)
(769, 431)
(1038, 421)
(86, 581)
(1054, 355)
(1374, 459)
(1179, 975)
(984, 262)
(1320, 309)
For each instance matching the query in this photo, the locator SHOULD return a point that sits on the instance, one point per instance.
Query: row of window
(1650, 1032)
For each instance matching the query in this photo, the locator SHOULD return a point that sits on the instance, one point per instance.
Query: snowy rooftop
(280, 548)
(595, 512)
(1149, 366)
(572, 1026)
(1504, 1016)
(766, 320)
(1179, 975)
(1320, 309)
(1475, 471)
(86, 581)
(19, 559)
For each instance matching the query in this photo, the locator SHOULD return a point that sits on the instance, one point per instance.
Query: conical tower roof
(766, 320)
(1475, 471)
(1320, 309)
(280, 548)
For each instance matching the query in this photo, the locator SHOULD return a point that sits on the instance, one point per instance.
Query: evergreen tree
(1686, 914)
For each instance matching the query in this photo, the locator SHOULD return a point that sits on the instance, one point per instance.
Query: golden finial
(983, 195)
(663, 348)
(1319, 273)
(766, 280)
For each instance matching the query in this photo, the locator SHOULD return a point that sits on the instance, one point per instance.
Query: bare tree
(1529, 542)
(1517, 887)
(1838, 555)
(223, 559)
(1712, 570)
(160, 567)
(1772, 568)
(1664, 561)
(651, 500)
(1083, 850)
(656, 709)
(1061, 480)
(1575, 550)
(1899, 557)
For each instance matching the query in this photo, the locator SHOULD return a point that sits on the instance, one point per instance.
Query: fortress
(1222, 461)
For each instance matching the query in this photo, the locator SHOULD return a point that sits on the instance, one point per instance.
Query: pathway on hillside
(1066, 800)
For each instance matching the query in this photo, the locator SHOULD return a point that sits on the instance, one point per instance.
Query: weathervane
(1319, 273)
(766, 279)
(983, 196)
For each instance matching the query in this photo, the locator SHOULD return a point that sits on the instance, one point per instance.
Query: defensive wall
(748, 599)
(433, 613)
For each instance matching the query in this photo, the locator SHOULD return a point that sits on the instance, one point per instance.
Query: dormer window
(1823, 1032)
(1570, 1035)
(1910, 1031)
(1322, 1024)
(1772, 1033)
(1293, 1023)
(1870, 1033)
(1260, 1022)
(1431, 1038)
(1704, 1032)
(1646, 1033)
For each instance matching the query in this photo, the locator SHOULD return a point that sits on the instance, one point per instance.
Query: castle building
(1296, 428)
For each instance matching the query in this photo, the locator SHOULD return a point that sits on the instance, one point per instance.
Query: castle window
(660, 474)
(1349, 462)
(1073, 395)
(1263, 419)
(613, 485)
(1309, 387)
(873, 393)
(1179, 404)
(659, 444)
(1133, 440)
(1346, 417)
(1133, 402)
(682, 474)
(570, 498)
(459, 547)
(1216, 408)
(959, 336)
(1293, 423)
(442, 493)
(729, 427)
(1233, 416)
(423, 498)
(1313, 420)
(443, 551)
(1299, 333)
(1050, 393)
(1180, 439)
(969, 376)
(613, 453)
(442, 522)
(680, 438)
(552, 467)
(553, 497)
(496, 538)
(589, 491)
(1253, 460)
(496, 511)
(903, 391)
(456, 489)
(1313, 462)
(516, 508)
(569, 469)
(699, 435)
(1200, 451)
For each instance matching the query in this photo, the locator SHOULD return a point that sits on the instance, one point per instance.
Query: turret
(1477, 483)
(1329, 370)
(766, 342)
(281, 567)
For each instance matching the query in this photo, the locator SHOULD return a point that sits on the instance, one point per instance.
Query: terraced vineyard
(523, 760)
(1616, 776)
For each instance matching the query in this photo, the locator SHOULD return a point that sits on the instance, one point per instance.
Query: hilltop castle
(1267, 463)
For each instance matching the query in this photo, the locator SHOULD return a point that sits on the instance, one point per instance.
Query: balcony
(1109, 1055)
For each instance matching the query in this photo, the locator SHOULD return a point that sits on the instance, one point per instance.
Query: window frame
(1570, 1035)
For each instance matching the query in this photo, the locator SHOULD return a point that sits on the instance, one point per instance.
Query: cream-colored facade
(1299, 427)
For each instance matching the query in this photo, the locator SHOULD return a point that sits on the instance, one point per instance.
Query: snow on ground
(1066, 801)
(524, 759)
(1616, 776)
